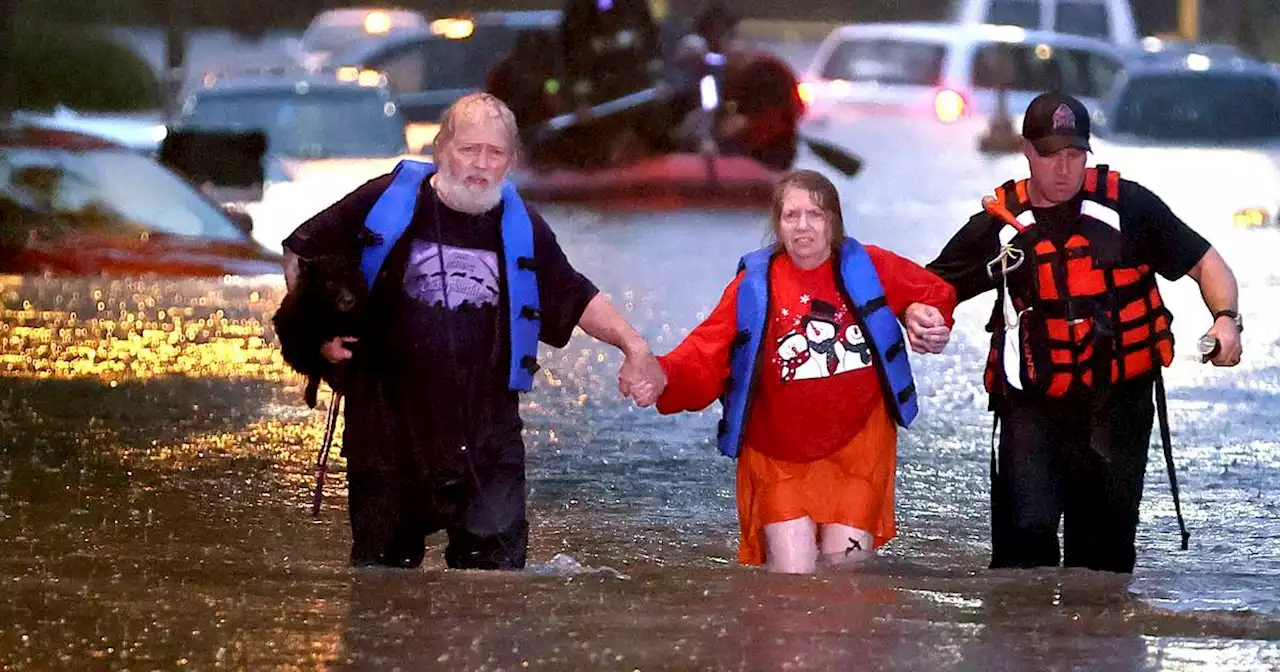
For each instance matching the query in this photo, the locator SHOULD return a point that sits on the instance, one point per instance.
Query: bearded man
(465, 280)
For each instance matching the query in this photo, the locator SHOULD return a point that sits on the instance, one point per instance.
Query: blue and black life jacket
(393, 213)
(858, 283)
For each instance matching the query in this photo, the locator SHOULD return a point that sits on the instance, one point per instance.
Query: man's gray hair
(477, 107)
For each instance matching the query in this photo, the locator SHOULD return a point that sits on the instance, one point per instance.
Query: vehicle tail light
(949, 106)
(807, 92)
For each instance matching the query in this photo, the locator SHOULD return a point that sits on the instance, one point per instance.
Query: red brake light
(949, 106)
(806, 92)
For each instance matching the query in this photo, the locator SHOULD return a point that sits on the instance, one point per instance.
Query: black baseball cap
(1055, 121)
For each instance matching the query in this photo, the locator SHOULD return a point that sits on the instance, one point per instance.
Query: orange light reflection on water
(117, 329)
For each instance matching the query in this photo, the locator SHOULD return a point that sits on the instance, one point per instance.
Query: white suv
(946, 72)
(1110, 20)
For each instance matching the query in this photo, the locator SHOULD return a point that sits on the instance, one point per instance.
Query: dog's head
(335, 280)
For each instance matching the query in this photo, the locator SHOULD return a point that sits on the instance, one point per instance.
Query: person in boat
(759, 107)
(610, 48)
(466, 280)
(1079, 335)
(806, 352)
(525, 79)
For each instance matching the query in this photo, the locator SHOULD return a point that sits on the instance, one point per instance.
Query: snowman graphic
(825, 342)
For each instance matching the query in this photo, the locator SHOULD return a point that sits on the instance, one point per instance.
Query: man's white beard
(464, 198)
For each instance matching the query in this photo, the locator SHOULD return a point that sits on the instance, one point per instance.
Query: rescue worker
(759, 108)
(525, 79)
(1079, 335)
(466, 280)
(610, 48)
(807, 355)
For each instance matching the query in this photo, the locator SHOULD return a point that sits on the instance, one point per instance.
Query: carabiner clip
(1007, 252)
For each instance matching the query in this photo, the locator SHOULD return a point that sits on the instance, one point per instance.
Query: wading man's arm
(641, 376)
(1220, 292)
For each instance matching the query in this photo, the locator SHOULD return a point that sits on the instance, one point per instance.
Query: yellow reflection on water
(118, 329)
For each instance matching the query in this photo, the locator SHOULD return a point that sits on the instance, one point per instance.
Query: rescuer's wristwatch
(1235, 317)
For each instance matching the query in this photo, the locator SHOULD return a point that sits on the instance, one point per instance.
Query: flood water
(156, 473)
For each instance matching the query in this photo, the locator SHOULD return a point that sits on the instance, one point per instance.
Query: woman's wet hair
(824, 193)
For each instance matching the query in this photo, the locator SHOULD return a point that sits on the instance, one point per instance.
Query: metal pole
(1001, 137)
(1189, 19)
(173, 76)
(8, 38)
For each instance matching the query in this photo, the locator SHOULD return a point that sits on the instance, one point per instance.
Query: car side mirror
(242, 219)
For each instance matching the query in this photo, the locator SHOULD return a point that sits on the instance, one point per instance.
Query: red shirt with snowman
(818, 385)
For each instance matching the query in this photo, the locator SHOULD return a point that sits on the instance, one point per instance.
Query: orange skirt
(853, 486)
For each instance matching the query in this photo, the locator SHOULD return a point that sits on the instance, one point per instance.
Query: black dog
(328, 302)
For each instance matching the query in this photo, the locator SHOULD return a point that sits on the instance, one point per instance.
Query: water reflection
(155, 474)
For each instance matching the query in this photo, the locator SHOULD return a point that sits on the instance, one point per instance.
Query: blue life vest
(393, 213)
(860, 286)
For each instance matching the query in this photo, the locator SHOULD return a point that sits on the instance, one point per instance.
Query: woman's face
(804, 228)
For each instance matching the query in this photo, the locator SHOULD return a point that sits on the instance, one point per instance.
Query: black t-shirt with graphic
(431, 377)
(1152, 235)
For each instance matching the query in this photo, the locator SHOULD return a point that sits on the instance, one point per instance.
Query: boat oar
(835, 156)
(631, 101)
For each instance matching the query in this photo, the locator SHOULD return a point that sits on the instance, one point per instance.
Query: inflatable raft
(669, 182)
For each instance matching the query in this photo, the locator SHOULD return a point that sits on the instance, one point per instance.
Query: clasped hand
(641, 377)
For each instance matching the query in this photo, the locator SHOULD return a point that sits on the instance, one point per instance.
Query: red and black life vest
(1071, 314)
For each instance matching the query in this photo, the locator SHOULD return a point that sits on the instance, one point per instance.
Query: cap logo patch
(1064, 120)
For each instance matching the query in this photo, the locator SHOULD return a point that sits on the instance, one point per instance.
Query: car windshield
(309, 124)
(1021, 13)
(1043, 67)
(886, 61)
(1216, 109)
(1083, 18)
(107, 191)
(331, 36)
(439, 63)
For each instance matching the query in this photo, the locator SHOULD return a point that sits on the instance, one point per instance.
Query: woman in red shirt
(816, 440)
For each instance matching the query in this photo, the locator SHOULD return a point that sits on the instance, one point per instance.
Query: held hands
(641, 377)
(927, 330)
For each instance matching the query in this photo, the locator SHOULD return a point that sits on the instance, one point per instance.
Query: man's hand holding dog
(336, 350)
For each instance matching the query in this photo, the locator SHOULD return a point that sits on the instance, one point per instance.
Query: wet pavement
(156, 465)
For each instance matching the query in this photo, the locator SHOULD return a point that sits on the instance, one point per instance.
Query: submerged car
(336, 29)
(948, 73)
(427, 72)
(73, 204)
(1203, 132)
(326, 135)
